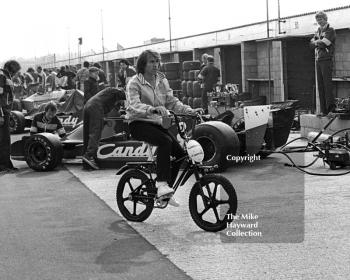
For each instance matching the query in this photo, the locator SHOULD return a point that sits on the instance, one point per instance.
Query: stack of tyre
(190, 86)
(172, 71)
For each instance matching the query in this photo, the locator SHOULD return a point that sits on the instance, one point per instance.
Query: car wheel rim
(208, 146)
(37, 153)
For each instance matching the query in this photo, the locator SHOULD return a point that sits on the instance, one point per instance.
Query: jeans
(92, 129)
(167, 146)
(325, 87)
(5, 144)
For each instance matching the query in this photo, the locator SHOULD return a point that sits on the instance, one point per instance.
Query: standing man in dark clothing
(324, 43)
(209, 76)
(6, 98)
(101, 76)
(94, 111)
(125, 73)
(91, 85)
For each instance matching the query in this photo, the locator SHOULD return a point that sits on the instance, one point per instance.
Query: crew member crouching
(47, 121)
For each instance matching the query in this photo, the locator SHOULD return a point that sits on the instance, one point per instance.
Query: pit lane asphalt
(320, 252)
(53, 227)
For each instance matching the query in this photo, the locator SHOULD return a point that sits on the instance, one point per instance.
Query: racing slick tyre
(17, 122)
(43, 151)
(185, 75)
(196, 73)
(135, 207)
(210, 200)
(184, 87)
(172, 75)
(190, 101)
(191, 75)
(185, 100)
(171, 66)
(197, 103)
(218, 141)
(189, 88)
(175, 84)
(17, 105)
(191, 65)
(197, 91)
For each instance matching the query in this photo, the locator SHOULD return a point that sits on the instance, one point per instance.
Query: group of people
(50, 79)
(148, 97)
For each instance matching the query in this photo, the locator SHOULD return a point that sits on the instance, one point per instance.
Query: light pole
(268, 48)
(102, 39)
(169, 26)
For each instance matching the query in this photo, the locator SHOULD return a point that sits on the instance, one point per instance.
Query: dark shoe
(91, 162)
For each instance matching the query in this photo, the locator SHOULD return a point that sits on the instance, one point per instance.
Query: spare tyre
(191, 65)
(190, 101)
(175, 84)
(189, 88)
(197, 102)
(43, 151)
(171, 66)
(185, 75)
(191, 75)
(197, 91)
(172, 75)
(218, 140)
(17, 122)
(184, 87)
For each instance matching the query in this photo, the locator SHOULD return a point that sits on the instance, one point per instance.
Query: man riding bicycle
(148, 98)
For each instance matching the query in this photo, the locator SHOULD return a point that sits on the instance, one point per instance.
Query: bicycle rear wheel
(210, 200)
(137, 205)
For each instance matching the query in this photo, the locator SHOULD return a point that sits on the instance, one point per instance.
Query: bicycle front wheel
(211, 199)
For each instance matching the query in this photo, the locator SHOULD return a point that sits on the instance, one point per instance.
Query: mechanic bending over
(148, 97)
(47, 121)
(94, 111)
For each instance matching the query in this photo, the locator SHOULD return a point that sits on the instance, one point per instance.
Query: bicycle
(137, 188)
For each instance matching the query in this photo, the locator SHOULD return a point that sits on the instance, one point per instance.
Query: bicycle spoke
(216, 214)
(219, 202)
(204, 211)
(125, 198)
(135, 203)
(215, 190)
(131, 188)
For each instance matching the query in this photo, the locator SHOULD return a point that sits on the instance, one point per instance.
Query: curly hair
(12, 66)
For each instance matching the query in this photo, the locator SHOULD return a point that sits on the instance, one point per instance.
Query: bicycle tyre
(197, 189)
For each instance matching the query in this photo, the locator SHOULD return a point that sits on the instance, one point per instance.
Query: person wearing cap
(101, 76)
(125, 73)
(91, 85)
(209, 76)
(94, 111)
(10, 68)
(324, 44)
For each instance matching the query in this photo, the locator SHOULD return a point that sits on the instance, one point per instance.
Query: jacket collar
(159, 76)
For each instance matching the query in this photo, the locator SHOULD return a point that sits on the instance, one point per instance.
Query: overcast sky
(42, 27)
